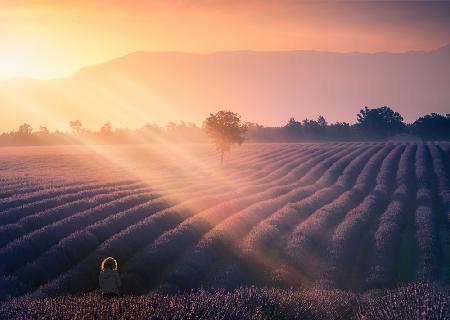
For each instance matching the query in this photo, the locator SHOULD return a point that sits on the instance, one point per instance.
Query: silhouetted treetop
(25, 129)
(432, 126)
(321, 121)
(380, 122)
(43, 130)
(294, 124)
(106, 128)
(76, 126)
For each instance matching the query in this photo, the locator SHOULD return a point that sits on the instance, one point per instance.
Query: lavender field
(345, 216)
(415, 301)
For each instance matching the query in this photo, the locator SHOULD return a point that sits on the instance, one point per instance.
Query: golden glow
(47, 39)
(50, 38)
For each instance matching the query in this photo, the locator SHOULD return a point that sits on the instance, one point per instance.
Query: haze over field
(267, 60)
(265, 87)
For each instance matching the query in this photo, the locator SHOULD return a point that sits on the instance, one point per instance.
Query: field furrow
(382, 258)
(227, 234)
(306, 244)
(248, 195)
(337, 215)
(426, 218)
(265, 242)
(351, 237)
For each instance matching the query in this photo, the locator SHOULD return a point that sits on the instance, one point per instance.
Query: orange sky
(54, 38)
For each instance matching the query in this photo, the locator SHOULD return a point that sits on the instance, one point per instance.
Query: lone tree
(225, 129)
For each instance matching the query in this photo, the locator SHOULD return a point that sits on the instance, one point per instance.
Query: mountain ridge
(136, 53)
(139, 52)
(264, 86)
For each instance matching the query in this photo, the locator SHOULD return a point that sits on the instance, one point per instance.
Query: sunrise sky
(54, 38)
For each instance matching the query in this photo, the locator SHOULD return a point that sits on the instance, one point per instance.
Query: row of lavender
(170, 242)
(336, 215)
(62, 243)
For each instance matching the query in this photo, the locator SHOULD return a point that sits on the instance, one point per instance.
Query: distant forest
(372, 124)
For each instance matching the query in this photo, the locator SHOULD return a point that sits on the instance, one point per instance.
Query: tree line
(372, 124)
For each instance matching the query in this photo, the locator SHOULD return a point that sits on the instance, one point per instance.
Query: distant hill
(265, 87)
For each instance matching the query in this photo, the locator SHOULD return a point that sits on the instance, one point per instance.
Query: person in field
(109, 279)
